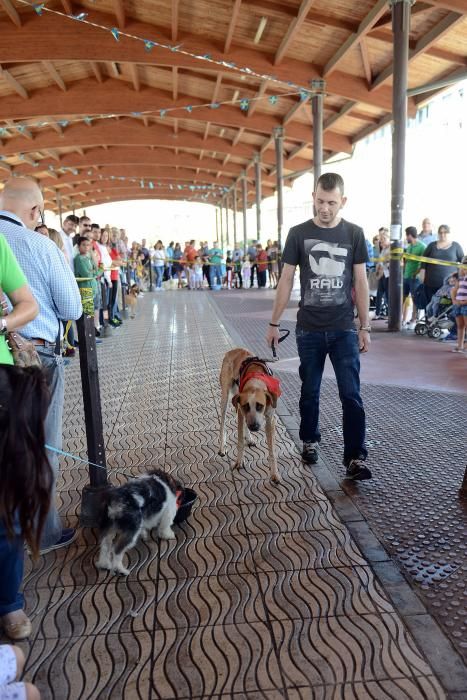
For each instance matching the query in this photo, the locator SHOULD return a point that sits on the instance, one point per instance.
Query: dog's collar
(272, 383)
(179, 495)
(252, 360)
(265, 376)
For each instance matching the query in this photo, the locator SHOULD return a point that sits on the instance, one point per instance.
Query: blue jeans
(158, 272)
(53, 365)
(11, 571)
(214, 273)
(342, 348)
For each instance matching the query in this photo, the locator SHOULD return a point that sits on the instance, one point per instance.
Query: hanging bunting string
(150, 44)
(244, 104)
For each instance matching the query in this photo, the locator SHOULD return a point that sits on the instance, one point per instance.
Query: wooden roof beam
(366, 61)
(292, 30)
(422, 45)
(11, 11)
(119, 10)
(58, 41)
(13, 83)
(135, 76)
(175, 83)
(254, 105)
(114, 96)
(330, 121)
(24, 132)
(56, 127)
(132, 133)
(67, 6)
(233, 21)
(97, 71)
(52, 154)
(363, 28)
(238, 136)
(129, 157)
(54, 74)
(293, 111)
(175, 8)
(452, 5)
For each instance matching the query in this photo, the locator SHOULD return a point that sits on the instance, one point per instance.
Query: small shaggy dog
(131, 299)
(133, 509)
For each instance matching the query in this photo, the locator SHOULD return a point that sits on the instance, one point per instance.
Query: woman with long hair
(26, 485)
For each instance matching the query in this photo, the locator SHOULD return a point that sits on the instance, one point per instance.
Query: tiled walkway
(263, 593)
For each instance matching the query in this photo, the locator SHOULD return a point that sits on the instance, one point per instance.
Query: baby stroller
(433, 326)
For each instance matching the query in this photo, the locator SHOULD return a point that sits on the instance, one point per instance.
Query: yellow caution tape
(399, 254)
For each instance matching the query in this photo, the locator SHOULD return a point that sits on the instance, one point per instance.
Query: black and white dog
(133, 509)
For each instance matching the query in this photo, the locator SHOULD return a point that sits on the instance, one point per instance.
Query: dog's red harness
(272, 383)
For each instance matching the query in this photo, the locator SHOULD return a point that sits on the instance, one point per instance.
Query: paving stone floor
(417, 450)
(263, 593)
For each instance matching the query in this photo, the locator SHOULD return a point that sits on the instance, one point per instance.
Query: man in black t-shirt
(332, 256)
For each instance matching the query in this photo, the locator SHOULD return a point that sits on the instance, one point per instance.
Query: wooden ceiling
(61, 79)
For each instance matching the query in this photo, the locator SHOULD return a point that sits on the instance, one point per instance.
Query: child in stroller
(439, 312)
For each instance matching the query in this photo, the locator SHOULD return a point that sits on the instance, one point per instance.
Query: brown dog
(131, 299)
(254, 393)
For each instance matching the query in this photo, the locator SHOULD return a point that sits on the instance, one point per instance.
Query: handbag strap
(3, 303)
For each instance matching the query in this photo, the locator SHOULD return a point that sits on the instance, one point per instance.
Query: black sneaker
(310, 452)
(357, 471)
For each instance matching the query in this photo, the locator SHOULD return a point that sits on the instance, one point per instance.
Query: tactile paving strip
(415, 442)
(262, 593)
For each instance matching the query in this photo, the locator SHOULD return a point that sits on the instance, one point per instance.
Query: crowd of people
(203, 266)
(425, 284)
(46, 276)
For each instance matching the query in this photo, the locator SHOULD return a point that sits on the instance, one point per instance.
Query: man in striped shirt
(53, 285)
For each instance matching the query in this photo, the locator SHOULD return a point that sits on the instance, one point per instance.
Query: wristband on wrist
(366, 328)
(275, 325)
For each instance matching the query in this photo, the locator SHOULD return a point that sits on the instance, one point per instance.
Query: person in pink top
(459, 299)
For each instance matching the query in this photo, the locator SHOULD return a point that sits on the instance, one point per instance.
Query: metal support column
(222, 226)
(278, 142)
(217, 223)
(244, 205)
(400, 26)
(317, 99)
(235, 215)
(91, 503)
(258, 196)
(227, 236)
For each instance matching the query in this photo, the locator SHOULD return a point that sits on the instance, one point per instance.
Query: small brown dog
(131, 299)
(255, 399)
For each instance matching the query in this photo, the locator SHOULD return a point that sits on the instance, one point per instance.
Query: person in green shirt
(14, 285)
(87, 273)
(411, 270)
(216, 256)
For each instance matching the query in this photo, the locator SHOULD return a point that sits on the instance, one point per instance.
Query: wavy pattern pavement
(262, 593)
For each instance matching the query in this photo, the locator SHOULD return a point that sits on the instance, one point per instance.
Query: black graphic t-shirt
(326, 257)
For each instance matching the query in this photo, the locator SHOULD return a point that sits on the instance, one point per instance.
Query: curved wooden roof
(57, 75)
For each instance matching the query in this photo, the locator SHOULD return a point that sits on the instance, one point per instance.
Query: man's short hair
(84, 218)
(329, 182)
(96, 226)
(74, 219)
(411, 231)
(383, 228)
(81, 239)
